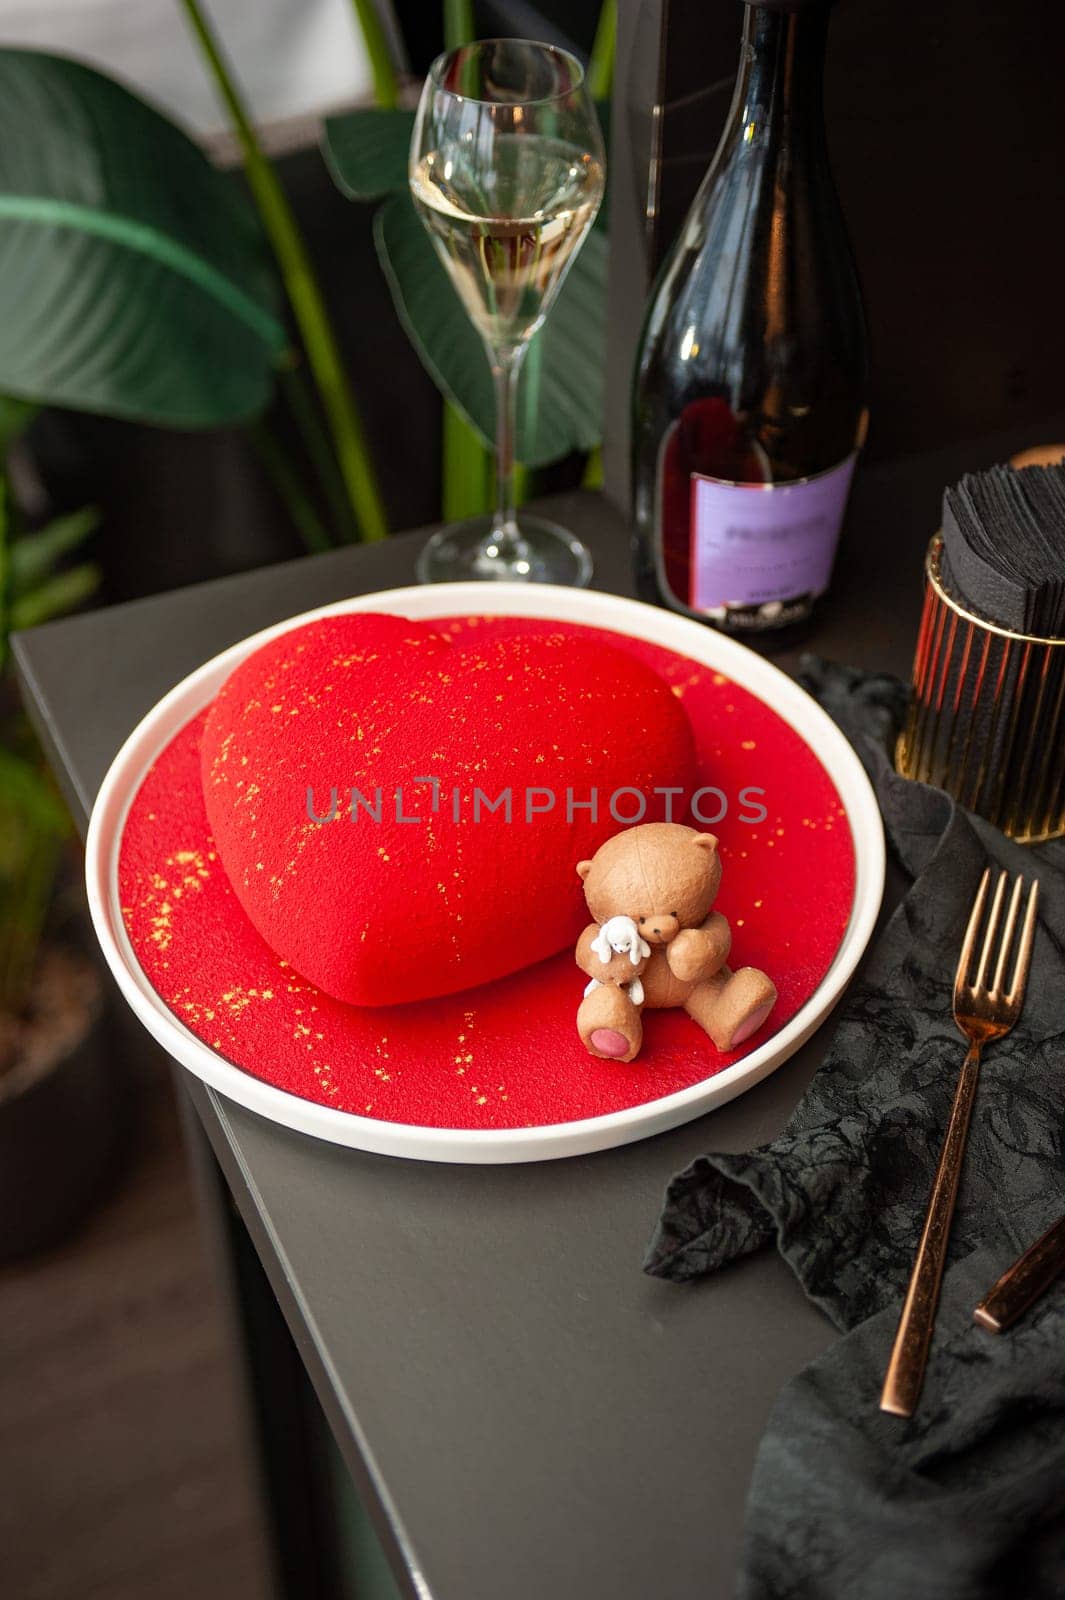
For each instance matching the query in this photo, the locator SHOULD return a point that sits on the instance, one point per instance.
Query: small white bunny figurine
(621, 936)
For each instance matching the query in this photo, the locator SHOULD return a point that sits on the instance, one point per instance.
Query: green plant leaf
(56, 596)
(133, 279)
(34, 555)
(366, 152)
(565, 362)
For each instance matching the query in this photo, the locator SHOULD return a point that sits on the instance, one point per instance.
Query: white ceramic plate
(663, 628)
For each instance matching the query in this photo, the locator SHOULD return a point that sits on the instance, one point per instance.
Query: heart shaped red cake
(401, 815)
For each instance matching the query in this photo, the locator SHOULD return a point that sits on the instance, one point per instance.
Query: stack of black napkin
(966, 1500)
(1004, 547)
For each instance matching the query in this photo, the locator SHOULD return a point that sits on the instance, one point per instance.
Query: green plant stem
(300, 400)
(385, 82)
(459, 26)
(601, 60)
(303, 292)
(592, 477)
(286, 481)
(466, 488)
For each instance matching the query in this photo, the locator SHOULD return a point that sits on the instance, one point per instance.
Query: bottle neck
(777, 104)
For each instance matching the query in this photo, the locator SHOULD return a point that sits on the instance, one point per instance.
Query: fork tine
(1024, 954)
(992, 931)
(1007, 937)
(965, 959)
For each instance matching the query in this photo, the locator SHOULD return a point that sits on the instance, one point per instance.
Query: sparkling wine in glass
(506, 171)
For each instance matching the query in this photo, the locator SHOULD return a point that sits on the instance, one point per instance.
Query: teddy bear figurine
(664, 877)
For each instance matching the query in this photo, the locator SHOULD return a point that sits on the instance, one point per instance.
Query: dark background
(947, 131)
(947, 135)
(946, 126)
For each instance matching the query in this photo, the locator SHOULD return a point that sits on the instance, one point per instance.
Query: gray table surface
(524, 1412)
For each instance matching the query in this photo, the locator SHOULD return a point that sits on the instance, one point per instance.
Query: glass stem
(506, 365)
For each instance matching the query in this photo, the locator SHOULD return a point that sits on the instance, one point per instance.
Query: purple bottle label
(764, 543)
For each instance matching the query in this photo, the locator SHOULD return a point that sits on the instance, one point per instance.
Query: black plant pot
(61, 1133)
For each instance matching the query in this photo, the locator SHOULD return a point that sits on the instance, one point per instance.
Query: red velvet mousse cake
(399, 813)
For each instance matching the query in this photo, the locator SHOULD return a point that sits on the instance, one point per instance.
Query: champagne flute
(506, 171)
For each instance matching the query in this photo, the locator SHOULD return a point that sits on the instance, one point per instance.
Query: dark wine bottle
(750, 394)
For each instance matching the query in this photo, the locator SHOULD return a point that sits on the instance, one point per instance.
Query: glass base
(542, 552)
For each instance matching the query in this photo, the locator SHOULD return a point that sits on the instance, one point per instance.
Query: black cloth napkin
(1004, 546)
(966, 1501)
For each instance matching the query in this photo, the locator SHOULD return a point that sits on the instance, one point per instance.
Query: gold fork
(983, 1012)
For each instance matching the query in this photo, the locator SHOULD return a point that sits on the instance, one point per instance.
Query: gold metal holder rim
(932, 569)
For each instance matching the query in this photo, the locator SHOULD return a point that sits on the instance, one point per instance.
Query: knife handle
(1021, 1285)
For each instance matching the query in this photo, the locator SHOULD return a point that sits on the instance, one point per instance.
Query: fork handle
(909, 1355)
(1021, 1285)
